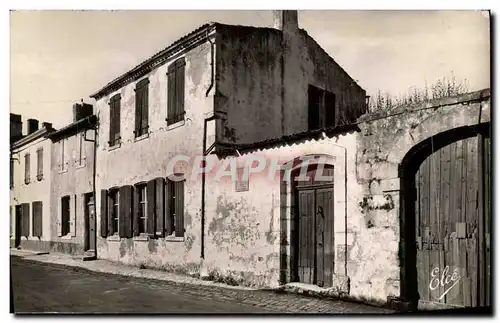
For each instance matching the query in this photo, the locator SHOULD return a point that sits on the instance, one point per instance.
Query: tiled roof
(286, 140)
(149, 64)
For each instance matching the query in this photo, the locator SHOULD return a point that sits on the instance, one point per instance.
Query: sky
(58, 58)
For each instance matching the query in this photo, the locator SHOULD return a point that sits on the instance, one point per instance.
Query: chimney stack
(47, 125)
(16, 127)
(81, 111)
(32, 126)
(286, 20)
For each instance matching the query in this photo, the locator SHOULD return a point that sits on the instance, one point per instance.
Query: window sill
(80, 166)
(67, 237)
(174, 239)
(114, 237)
(142, 137)
(63, 171)
(116, 146)
(176, 125)
(142, 237)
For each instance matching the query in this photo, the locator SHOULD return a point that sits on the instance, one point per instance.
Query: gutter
(94, 184)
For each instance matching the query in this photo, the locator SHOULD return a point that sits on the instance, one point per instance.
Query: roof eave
(193, 38)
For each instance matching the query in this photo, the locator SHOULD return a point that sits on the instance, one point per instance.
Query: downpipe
(205, 151)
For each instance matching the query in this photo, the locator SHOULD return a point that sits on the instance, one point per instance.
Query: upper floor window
(114, 120)
(63, 165)
(27, 168)
(39, 168)
(80, 150)
(141, 107)
(175, 108)
(321, 108)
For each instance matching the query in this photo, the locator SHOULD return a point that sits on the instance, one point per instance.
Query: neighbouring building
(72, 222)
(30, 158)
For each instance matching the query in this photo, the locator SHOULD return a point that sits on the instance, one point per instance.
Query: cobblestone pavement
(50, 287)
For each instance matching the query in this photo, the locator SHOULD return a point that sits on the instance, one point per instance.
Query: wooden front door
(19, 221)
(91, 222)
(315, 233)
(453, 225)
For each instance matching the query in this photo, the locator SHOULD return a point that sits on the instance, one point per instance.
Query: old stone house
(30, 158)
(216, 87)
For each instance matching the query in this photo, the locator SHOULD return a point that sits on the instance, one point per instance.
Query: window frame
(39, 168)
(27, 165)
(143, 208)
(321, 110)
(114, 197)
(170, 211)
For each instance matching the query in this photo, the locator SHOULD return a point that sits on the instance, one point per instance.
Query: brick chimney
(16, 127)
(81, 111)
(286, 20)
(32, 126)
(47, 125)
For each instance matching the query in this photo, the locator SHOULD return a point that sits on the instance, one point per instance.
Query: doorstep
(25, 252)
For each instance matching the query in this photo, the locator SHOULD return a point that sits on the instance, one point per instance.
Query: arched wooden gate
(447, 212)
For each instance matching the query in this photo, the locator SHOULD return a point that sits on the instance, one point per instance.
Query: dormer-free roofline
(190, 40)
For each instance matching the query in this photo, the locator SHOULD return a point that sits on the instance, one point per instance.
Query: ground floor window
(65, 216)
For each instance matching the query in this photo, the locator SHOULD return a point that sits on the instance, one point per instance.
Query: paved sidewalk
(267, 301)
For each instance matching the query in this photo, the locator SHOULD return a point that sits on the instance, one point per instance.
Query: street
(48, 288)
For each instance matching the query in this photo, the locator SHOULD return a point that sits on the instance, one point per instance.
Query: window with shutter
(176, 85)
(160, 207)
(113, 211)
(65, 215)
(174, 221)
(142, 208)
(80, 150)
(104, 213)
(27, 168)
(329, 109)
(37, 218)
(125, 212)
(39, 168)
(141, 108)
(25, 215)
(114, 120)
(321, 108)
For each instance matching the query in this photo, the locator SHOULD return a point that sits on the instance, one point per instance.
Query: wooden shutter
(59, 217)
(138, 109)
(111, 121)
(179, 91)
(72, 215)
(104, 213)
(125, 221)
(169, 208)
(330, 109)
(37, 218)
(151, 218)
(117, 119)
(179, 208)
(136, 215)
(314, 106)
(145, 106)
(171, 94)
(39, 169)
(27, 168)
(26, 220)
(110, 213)
(160, 206)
